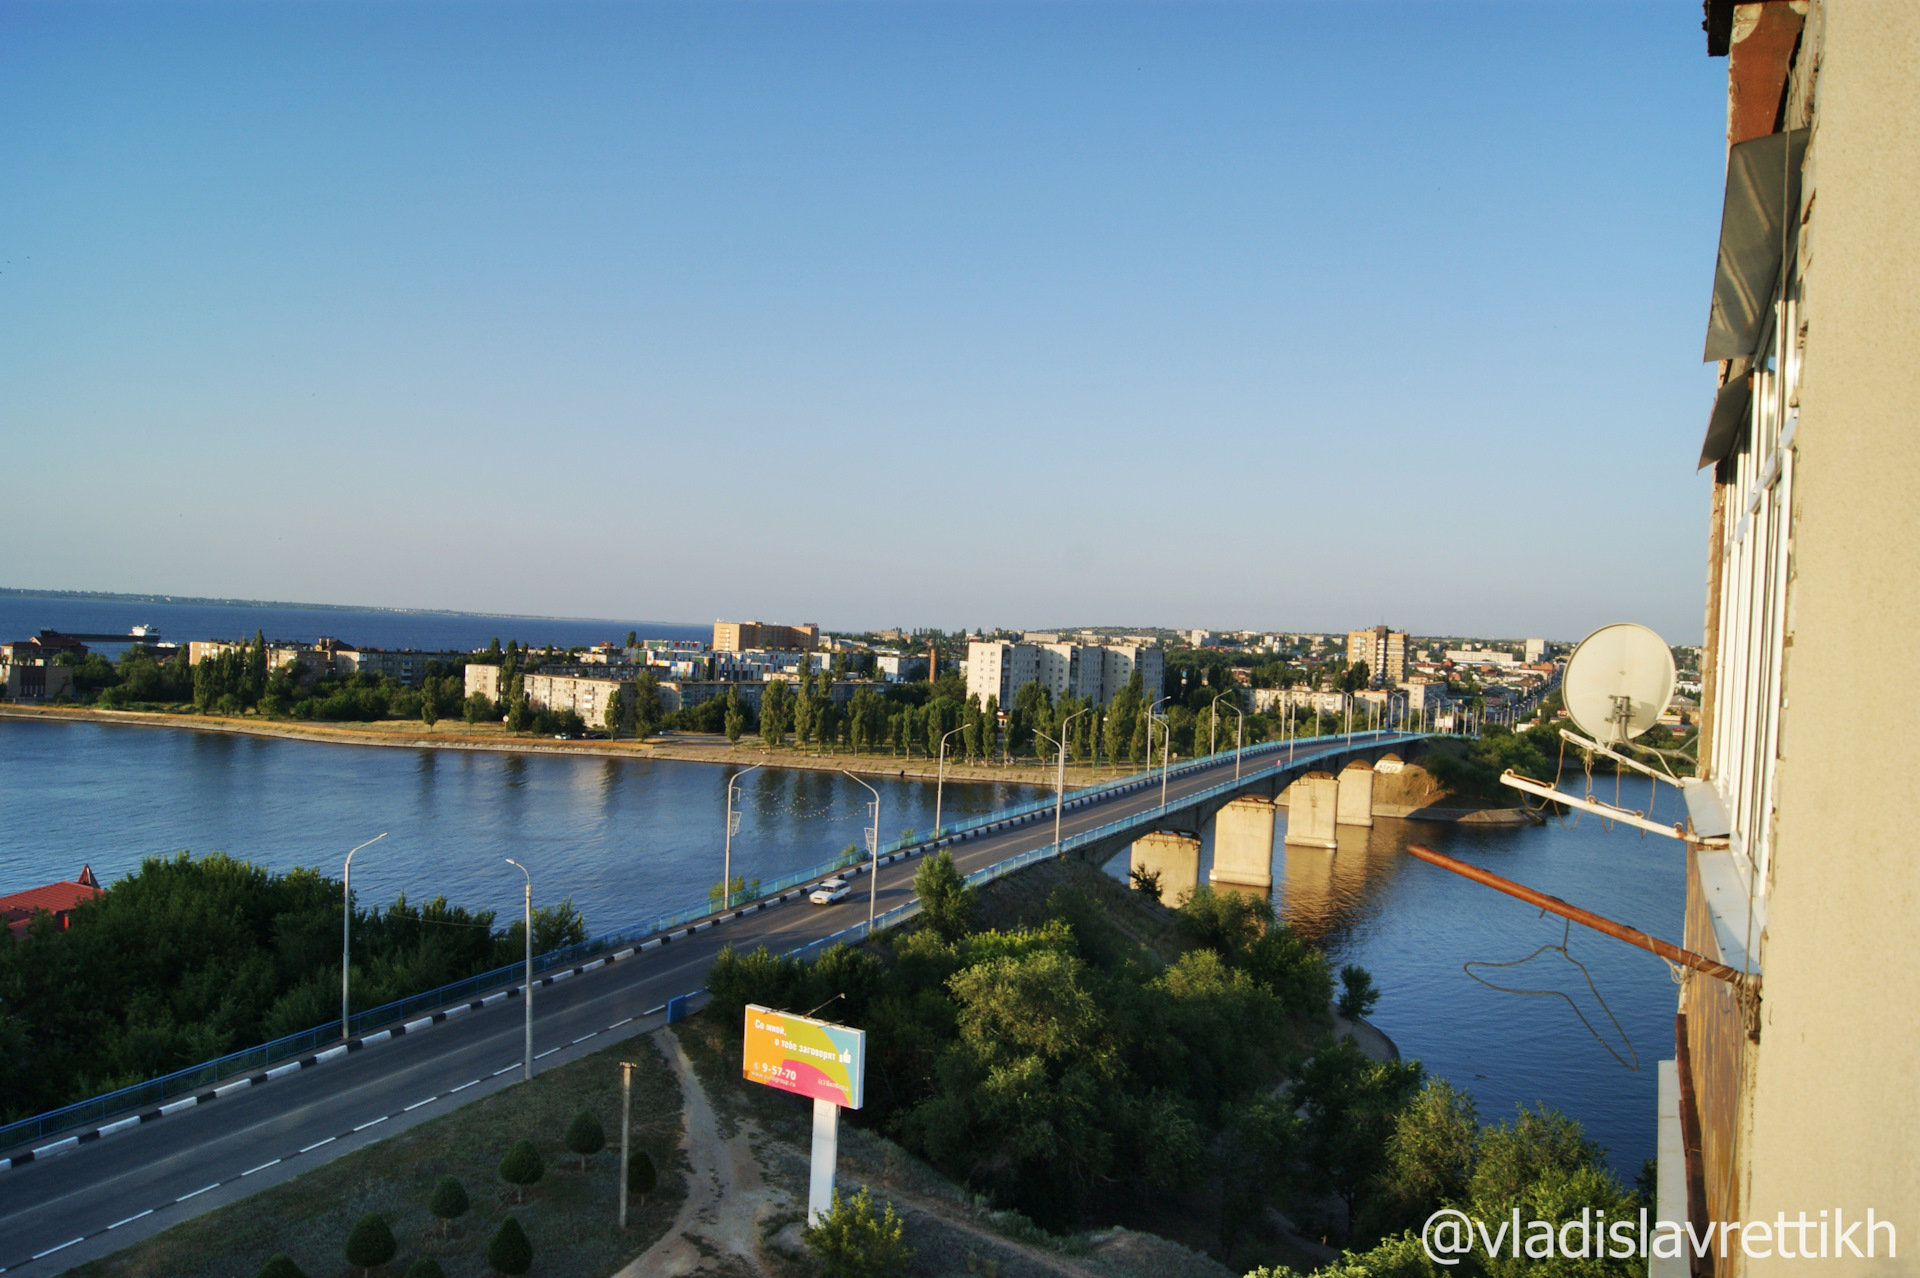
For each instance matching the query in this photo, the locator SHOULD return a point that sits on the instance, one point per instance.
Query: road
(62, 1211)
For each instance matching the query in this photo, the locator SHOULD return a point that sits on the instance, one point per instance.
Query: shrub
(1357, 992)
(585, 1136)
(280, 1265)
(509, 1252)
(946, 902)
(425, 1267)
(1145, 881)
(641, 1177)
(851, 1242)
(522, 1167)
(371, 1242)
(449, 1201)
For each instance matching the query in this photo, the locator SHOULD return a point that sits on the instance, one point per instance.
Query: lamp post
(726, 865)
(940, 774)
(873, 850)
(1060, 784)
(1239, 731)
(1150, 709)
(346, 930)
(526, 993)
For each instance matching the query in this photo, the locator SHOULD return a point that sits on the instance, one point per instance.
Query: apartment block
(739, 636)
(1384, 651)
(1093, 671)
(586, 695)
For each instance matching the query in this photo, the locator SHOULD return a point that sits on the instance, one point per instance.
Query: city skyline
(1250, 316)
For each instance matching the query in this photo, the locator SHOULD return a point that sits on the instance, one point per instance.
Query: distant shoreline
(457, 736)
(206, 601)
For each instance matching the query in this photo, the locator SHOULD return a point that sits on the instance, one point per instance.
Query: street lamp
(1150, 709)
(346, 930)
(726, 870)
(1060, 785)
(1239, 731)
(527, 993)
(873, 850)
(940, 781)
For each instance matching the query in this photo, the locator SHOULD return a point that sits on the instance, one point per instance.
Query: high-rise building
(1092, 671)
(739, 636)
(1384, 651)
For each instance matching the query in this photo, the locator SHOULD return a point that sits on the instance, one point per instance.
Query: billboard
(807, 1057)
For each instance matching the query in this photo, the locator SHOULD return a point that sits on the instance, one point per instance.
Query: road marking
(196, 1193)
(417, 1104)
(371, 1123)
(583, 1038)
(62, 1247)
(550, 1051)
(618, 1024)
(464, 1086)
(498, 1072)
(262, 1167)
(129, 1220)
(318, 1143)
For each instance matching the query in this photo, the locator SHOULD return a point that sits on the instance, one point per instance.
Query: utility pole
(626, 1127)
(346, 931)
(526, 994)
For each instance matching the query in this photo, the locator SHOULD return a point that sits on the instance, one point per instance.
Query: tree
(280, 1265)
(1357, 992)
(1349, 1108)
(509, 1252)
(633, 639)
(521, 1167)
(585, 1136)
(736, 718)
(429, 714)
(1145, 881)
(641, 1176)
(371, 1242)
(946, 902)
(448, 1202)
(426, 1267)
(646, 704)
(615, 712)
(851, 1242)
(773, 713)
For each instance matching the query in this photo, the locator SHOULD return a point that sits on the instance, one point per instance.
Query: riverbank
(454, 735)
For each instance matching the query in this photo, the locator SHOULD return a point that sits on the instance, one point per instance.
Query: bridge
(72, 1193)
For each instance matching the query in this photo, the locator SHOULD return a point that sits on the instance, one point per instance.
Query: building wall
(483, 679)
(1835, 1119)
(1384, 651)
(36, 680)
(738, 636)
(586, 697)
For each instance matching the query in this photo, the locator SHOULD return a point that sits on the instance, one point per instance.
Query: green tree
(370, 1243)
(1357, 992)
(736, 717)
(946, 902)
(280, 1265)
(448, 1202)
(851, 1241)
(521, 1168)
(508, 1251)
(1430, 1159)
(425, 1267)
(642, 1179)
(1349, 1107)
(429, 714)
(1145, 881)
(585, 1136)
(646, 704)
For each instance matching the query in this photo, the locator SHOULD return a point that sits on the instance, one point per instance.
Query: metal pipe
(1585, 918)
(1528, 786)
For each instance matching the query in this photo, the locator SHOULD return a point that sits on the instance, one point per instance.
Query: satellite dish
(1618, 682)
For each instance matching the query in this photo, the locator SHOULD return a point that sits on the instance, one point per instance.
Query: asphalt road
(61, 1211)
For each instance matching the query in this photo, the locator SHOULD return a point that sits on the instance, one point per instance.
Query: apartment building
(1384, 651)
(1095, 671)
(739, 636)
(586, 695)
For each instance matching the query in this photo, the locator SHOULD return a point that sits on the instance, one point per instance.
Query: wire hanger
(1561, 949)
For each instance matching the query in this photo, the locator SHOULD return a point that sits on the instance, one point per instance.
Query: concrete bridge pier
(1313, 805)
(1175, 857)
(1355, 804)
(1243, 842)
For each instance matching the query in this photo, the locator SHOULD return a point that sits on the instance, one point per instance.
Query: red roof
(57, 899)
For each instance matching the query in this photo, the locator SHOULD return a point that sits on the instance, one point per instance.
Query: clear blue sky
(1280, 316)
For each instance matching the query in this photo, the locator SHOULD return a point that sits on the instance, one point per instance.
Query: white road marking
(550, 1051)
(62, 1247)
(262, 1167)
(498, 1072)
(318, 1143)
(464, 1086)
(618, 1024)
(196, 1193)
(583, 1038)
(417, 1104)
(371, 1123)
(129, 1220)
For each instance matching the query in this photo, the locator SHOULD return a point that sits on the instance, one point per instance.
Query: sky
(1266, 316)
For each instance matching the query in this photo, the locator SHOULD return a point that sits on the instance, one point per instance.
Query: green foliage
(735, 722)
(850, 1241)
(585, 1136)
(1145, 881)
(1227, 922)
(191, 957)
(946, 902)
(1357, 992)
(521, 1167)
(1349, 1108)
(280, 1265)
(371, 1242)
(742, 889)
(642, 1178)
(425, 1267)
(449, 1199)
(508, 1251)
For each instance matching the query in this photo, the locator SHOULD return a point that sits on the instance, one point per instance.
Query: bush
(1145, 881)
(449, 1201)
(371, 1242)
(585, 1136)
(851, 1242)
(642, 1179)
(509, 1252)
(946, 902)
(280, 1265)
(1357, 992)
(426, 1267)
(522, 1167)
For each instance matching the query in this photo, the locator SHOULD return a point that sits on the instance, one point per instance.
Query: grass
(569, 1216)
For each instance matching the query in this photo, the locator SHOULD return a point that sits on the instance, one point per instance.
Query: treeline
(190, 958)
(1064, 1072)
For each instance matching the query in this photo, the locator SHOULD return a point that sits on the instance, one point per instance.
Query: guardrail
(252, 1060)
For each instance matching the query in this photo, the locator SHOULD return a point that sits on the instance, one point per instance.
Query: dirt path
(718, 1228)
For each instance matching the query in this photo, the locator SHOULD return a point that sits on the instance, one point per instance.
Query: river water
(1414, 927)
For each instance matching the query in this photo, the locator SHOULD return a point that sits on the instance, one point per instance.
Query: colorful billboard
(808, 1057)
